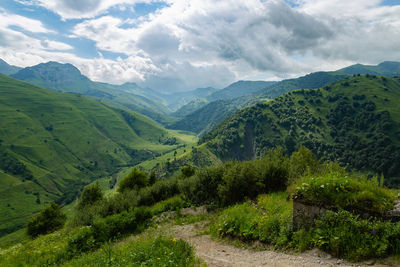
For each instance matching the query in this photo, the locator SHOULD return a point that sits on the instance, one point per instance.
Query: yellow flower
(174, 239)
(158, 259)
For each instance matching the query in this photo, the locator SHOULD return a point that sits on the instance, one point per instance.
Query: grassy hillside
(53, 143)
(354, 121)
(67, 78)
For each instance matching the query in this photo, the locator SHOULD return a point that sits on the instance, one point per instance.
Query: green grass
(344, 192)
(267, 220)
(66, 141)
(156, 251)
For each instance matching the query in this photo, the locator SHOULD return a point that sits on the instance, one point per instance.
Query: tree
(47, 221)
(135, 180)
(187, 171)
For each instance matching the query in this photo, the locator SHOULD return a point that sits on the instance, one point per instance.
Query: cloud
(76, 9)
(31, 25)
(196, 43)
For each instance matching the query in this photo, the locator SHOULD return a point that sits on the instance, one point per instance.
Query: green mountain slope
(235, 90)
(206, 117)
(178, 100)
(239, 89)
(387, 68)
(67, 78)
(355, 121)
(53, 143)
(7, 69)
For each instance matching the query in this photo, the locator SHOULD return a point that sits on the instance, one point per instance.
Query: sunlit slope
(53, 143)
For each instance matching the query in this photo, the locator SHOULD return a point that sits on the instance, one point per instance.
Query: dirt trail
(223, 255)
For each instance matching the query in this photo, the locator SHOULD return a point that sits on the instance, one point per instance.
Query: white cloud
(75, 9)
(31, 25)
(196, 43)
(53, 45)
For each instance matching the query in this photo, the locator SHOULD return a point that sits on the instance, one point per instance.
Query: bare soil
(216, 253)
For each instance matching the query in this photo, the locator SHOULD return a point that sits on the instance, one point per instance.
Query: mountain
(207, 116)
(7, 69)
(239, 89)
(386, 68)
(355, 121)
(53, 143)
(179, 99)
(67, 78)
(193, 113)
(234, 90)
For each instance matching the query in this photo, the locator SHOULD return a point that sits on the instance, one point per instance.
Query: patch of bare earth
(220, 254)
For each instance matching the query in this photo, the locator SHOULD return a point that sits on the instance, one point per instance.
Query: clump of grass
(155, 251)
(268, 220)
(344, 192)
(345, 235)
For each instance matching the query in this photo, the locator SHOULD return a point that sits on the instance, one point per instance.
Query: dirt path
(224, 255)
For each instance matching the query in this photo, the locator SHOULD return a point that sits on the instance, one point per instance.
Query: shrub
(303, 162)
(344, 235)
(135, 180)
(202, 188)
(159, 191)
(187, 171)
(240, 180)
(90, 195)
(171, 204)
(106, 229)
(47, 221)
(273, 168)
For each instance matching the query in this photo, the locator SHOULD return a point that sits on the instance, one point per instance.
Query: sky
(178, 45)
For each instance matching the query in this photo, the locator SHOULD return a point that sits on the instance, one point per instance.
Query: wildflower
(174, 239)
(158, 259)
(373, 231)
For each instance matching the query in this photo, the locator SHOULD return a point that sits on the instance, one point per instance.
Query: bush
(240, 180)
(135, 180)
(202, 188)
(90, 195)
(187, 171)
(273, 168)
(302, 163)
(106, 229)
(171, 204)
(159, 191)
(344, 235)
(47, 221)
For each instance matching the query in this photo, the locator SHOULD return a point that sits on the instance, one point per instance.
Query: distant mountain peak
(7, 69)
(52, 71)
